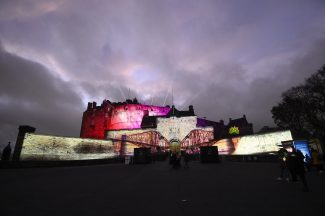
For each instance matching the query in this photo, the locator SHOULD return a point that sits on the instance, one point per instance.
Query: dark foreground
(228, 188)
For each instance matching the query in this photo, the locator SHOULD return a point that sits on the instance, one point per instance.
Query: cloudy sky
(227, 58)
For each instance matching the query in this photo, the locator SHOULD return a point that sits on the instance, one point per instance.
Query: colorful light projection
(129, 116)
(45, 147)
(253, 144)
(198, 137)
(183, 129)
(176, 128)
(117, 134)
(150, 138)
(97, 119)
(234, 130)
(302, 145)
(116, 137)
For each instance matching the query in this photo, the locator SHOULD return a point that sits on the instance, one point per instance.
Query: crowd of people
(175, 158)
(294, 164)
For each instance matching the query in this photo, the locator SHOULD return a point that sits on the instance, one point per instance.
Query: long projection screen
(45, 147)
(253, 144)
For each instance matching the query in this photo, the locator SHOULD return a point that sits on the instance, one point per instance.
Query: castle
(131, 115)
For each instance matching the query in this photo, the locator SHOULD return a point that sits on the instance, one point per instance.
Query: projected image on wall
(302, 145)
(46, 147)
(130, 116)
(182, 129)
(253, 144)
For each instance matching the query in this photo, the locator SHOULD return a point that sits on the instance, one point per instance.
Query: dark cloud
(233, 97)
(30, 95)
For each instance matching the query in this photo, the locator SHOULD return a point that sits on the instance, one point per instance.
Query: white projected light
(176, 128)
(45, 147)
(262, 143)
(253, 144)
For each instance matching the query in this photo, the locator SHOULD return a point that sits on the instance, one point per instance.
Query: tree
(302, 109)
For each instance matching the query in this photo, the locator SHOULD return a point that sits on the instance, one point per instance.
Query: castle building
(131, 115)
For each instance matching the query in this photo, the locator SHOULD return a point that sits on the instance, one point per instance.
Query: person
(296, 167)
(176, 162)
(5, 156)
(317, 161)
(171, 158)
(308, 162)
(186, 159)
(282, 156)
(291, 157)
(300, 169)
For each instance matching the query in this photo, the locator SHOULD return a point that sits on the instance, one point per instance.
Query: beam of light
(165, 98)
(172, 96)
(170, 87)
(192, 99)
(123, 95)
(45, 59)
(151, 101)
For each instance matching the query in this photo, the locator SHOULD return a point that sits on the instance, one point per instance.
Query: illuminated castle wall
(142, 125)
(183, 129)
(176, 128)
(149, 125)
(116, 116)
(130, 115)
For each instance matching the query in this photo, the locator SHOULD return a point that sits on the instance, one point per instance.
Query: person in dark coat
(300, 169)
(282, 157)
(177, 161)
(291, 157)
(297, 168)
(172, 158)
(308, 162)
(186, 159)
(317, 161)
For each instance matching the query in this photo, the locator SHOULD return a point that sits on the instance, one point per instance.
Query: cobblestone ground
(227, 188)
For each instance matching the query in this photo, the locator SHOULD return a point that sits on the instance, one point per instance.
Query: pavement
(227, 188)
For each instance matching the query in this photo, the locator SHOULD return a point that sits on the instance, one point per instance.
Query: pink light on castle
(130, 116)
(116, 116)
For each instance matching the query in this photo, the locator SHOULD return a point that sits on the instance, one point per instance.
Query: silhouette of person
(317, 161)
(6, 153)
(282, 156)
(186, 159)
(308, 162)
(172, 158)
(177, 160)
(300, 168)
(296, 167)
(290, 162)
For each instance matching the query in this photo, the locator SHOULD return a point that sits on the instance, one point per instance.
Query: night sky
(227, 58)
